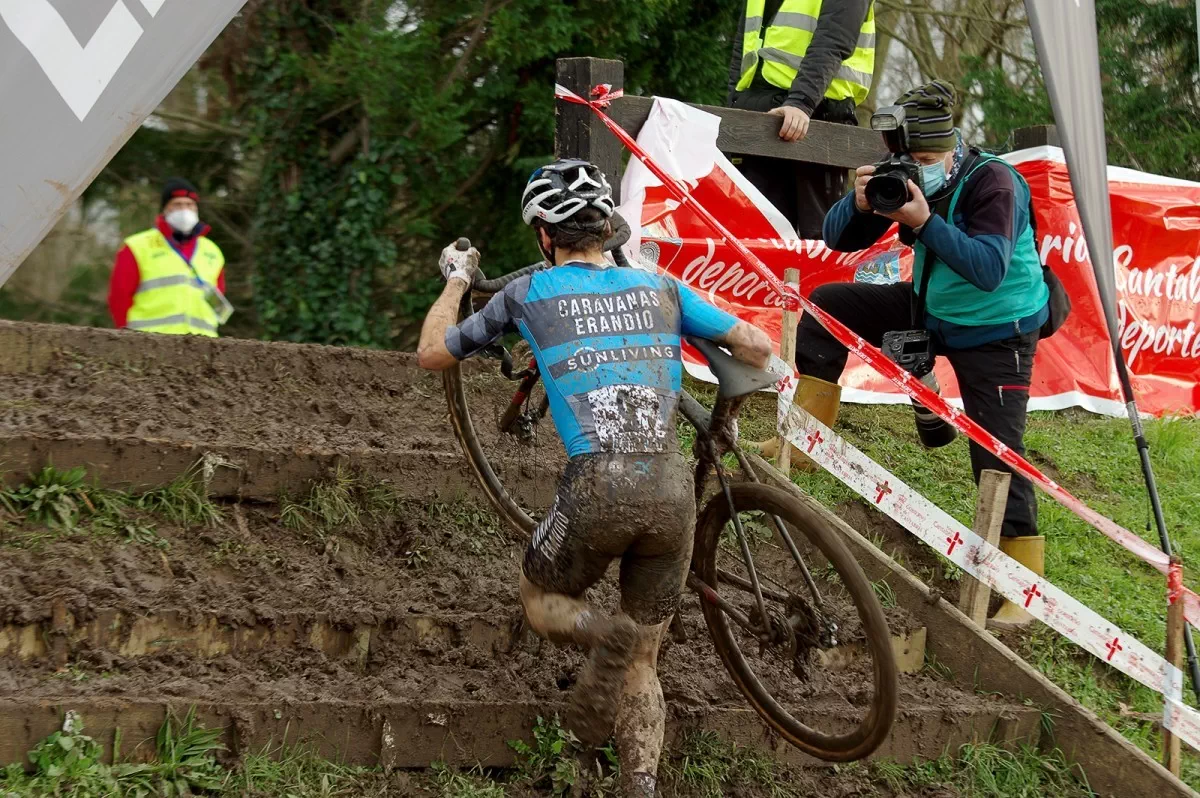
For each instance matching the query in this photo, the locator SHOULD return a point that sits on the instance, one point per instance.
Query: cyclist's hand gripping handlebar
(460, 261)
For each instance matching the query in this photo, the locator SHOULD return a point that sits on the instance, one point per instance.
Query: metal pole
(1143, 448)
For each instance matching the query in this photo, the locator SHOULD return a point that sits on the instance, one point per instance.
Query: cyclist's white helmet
(558, 191)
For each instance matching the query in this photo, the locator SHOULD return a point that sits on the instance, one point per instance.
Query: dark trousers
(802, 192)
(993, 378)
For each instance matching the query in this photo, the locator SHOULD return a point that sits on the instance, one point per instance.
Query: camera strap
(939, 208)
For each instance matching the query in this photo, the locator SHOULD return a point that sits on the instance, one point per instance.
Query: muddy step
(416, 734)
(131, 634)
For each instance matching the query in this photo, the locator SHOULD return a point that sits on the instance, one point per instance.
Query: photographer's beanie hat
(929, 110)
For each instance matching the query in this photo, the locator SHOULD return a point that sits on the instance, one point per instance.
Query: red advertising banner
(1156, 223)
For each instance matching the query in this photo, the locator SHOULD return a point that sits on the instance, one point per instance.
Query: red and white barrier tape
(959, 544)
(602, 95)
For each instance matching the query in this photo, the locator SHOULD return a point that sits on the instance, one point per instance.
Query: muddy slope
(454, 562)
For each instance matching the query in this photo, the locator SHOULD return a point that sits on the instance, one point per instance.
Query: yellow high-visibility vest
(169, 299)
(786, 41)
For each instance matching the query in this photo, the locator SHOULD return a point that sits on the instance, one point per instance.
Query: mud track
(395, 640)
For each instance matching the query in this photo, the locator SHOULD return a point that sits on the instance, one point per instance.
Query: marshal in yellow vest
(168, 298)
(786, 40)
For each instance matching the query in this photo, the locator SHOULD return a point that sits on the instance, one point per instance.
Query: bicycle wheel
(825, 679)
(517, 466)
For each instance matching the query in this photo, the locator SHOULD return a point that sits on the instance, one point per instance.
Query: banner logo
(79, 73)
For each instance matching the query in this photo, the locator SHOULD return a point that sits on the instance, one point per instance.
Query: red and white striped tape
(792, 300)
(959, 544)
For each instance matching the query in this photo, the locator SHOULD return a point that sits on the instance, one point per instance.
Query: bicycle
(800, 628)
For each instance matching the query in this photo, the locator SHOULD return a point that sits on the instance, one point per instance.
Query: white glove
(457, 264)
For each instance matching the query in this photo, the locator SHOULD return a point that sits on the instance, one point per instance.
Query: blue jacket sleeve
(847, 229)
(699, 318)
(981, 254)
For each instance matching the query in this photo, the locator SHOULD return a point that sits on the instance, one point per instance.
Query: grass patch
(549, 763)
(56, 503)
(185, 501)
(986, 771)
(708, 766)
(298, 771)
(68, 763)
(455, 784)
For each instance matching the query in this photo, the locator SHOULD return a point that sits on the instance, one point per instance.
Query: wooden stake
(1172, 754)
(787, 351)
(974, 595)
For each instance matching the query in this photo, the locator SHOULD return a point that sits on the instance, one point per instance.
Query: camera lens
(887, 192)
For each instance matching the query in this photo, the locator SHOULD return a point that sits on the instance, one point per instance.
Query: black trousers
(802, 192)
(994, 378)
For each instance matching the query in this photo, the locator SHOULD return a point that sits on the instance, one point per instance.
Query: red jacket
(126, 277)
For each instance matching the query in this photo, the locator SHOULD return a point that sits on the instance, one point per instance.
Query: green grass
(69, 763)
(185, 501)
(56, 503)
(986, 771)
(183, 762)
(708, 766)
(1095, 459)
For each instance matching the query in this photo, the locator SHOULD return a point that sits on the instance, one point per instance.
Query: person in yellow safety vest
(170, 278)
(801, 60)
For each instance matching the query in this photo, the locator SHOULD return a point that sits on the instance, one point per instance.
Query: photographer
(980, 298)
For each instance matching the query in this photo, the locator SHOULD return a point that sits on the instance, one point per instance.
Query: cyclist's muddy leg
(641, 716)
(557, 617)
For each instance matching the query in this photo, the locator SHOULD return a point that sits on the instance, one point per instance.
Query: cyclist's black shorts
(638, 507)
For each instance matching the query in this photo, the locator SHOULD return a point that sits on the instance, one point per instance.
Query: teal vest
(1021, 294)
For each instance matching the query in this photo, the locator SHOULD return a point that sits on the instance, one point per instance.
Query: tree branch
(907, 8)
(172, 116)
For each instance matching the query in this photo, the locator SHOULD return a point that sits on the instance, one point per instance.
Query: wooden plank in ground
(787, 351)
(974, 595)
(459, 733)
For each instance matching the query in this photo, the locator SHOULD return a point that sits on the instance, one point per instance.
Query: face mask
(933, 176)
(183, 220)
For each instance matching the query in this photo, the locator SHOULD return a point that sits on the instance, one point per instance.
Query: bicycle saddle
(734, 378)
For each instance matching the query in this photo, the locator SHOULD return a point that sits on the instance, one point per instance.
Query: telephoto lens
(933, 432)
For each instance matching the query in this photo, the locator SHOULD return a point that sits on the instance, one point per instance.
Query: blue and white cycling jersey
(607, 343)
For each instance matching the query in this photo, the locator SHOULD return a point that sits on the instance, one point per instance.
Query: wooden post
(974, 595)
(787, 351)
(578, 132)
(1172, 754)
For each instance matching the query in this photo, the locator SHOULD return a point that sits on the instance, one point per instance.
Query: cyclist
(607, 344)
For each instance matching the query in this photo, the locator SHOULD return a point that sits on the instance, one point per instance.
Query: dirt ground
(453, 561)
(119, 384)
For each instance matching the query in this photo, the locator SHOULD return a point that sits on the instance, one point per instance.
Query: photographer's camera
(887, 190)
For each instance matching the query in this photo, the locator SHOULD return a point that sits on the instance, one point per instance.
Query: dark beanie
(178, 187)
(929, 110)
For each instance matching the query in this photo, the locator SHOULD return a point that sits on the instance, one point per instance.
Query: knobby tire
(875, 727)
(464, 430)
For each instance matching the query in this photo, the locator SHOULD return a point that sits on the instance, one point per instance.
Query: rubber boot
(822, 400)
(1031, 552)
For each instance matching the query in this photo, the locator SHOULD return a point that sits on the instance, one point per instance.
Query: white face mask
(184, 220)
